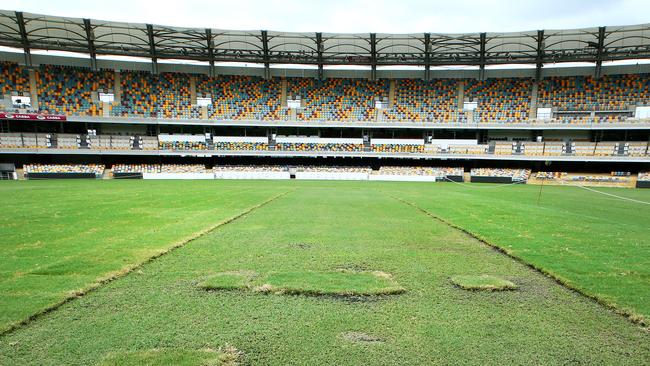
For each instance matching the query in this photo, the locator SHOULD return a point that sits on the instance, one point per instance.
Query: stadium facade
(449, 103)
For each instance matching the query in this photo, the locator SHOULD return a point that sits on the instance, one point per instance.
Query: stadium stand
(637, 148)
(319, 147)
(500, 100)
(11, 140)
(198, 143)
(241, 97)
(598, 178)
(241, 146)
(533, 148)
(182, 145)
(69, 90)
(138, 98)
(183, 168)
(68, 141)
(574, 99)
(467, 149)
(332, 169)
(249, 168)
(496, 175)
(136, 168)
(398, 148)
(418, 171)
(504, 147)
(63, 168)
(337, 99)
(644, 176)
(424, 101)
(612, 98)
(14, 79)
(36, 171)
(174, 101)
(550, 175)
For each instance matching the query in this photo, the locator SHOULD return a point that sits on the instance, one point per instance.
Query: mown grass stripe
(633, 317)
(125, 271)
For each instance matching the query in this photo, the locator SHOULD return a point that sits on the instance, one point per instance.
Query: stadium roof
(95, 37)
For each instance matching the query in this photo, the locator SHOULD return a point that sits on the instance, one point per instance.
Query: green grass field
(325, 255)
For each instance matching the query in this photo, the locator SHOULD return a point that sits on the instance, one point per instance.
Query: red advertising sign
(33, 116)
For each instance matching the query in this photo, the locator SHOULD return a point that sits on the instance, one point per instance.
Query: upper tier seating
(424, 101)
(69, 90)
(500, 100)
(174, 92)
(139, 97)
(13, 78)
(574, 99)
(241, 97)
(585, 93)
(337, 99)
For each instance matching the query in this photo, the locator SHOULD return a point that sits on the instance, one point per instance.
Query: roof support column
(152, 50)
(265, 47)
(373, 56)
(599, 53)
(427, 56)
(23, 38)
(319, 52)
(481, 74)
(540, 55)
(90, 38)
(210, 46)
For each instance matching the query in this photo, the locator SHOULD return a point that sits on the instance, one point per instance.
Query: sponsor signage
(33, 116)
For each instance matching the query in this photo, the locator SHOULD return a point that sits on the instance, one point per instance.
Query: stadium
(203, 196)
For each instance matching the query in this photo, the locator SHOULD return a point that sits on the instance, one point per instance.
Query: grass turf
(591, 242)
(166, 357)
(337, 283)
(311, 283)
(61, 237)
(227, 281)
(347, 225)
(482, 283)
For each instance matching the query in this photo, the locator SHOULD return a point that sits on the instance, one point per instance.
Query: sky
(353, 16)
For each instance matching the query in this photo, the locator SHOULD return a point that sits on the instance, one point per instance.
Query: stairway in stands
(569, 148)
(137, 143)
(491, 147)
(52, 139)
(83, 142)
(367, 146)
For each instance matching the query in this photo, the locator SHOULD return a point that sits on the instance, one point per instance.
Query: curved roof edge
(95, 37)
